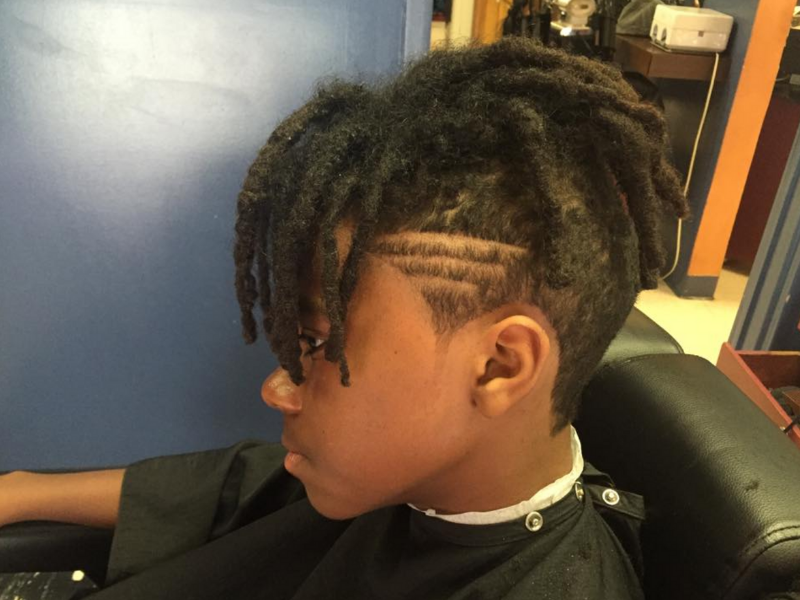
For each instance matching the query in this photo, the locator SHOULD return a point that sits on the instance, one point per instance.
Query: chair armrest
(48, 546)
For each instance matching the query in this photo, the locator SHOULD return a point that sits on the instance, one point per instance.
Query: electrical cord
(691, 163)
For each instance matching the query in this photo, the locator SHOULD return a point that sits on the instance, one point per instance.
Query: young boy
(440, 263)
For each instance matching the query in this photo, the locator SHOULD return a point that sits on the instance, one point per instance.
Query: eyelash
(310, 339)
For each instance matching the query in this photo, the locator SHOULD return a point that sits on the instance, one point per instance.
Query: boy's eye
(313, 343)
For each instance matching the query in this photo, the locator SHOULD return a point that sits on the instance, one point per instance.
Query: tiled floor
(700, 326)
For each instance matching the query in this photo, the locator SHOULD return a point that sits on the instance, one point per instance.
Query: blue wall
(684, 101)
(770, 310)
(126, 129)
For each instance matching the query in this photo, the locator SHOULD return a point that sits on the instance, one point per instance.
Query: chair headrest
(640, 335)
(721, 482)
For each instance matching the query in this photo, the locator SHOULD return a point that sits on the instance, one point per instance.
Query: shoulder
(587, 562)
(596, 555)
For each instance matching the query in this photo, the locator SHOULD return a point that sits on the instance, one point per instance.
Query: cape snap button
(579, 493)
(610, 497)
(534, 521)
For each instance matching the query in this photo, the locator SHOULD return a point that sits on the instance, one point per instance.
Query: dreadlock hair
(544, 170)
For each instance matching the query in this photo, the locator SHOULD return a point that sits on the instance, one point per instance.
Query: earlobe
(509, 369)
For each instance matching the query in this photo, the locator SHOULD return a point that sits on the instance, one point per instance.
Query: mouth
(293, 458)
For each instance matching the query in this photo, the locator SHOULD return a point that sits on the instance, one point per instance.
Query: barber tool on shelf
(580, 26)
(574, 17)
(583, 26)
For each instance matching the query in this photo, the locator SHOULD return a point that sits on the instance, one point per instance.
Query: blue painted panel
(418, 28)
(126, 129)
(770, 310)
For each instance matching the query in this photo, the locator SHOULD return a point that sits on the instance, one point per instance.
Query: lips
(292, 461)
(293, 458)
(287, 443)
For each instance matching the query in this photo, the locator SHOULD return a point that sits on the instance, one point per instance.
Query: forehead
(343, 234)
(310, 279)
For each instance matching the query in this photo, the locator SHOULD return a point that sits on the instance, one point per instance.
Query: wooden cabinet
(756, 373)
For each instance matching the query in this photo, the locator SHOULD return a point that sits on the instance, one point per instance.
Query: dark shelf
(640, 55)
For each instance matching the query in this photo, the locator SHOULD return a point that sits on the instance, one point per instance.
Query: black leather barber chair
(722, 484)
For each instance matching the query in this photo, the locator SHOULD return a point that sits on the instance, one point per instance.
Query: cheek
(405, 388)
(394, 426)
(393, 357)
(400, 409)
(379, 439)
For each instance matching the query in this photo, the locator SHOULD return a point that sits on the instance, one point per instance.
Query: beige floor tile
(700, 326)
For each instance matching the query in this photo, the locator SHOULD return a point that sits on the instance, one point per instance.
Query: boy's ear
(509, 364)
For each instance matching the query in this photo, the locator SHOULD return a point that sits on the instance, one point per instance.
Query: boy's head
(493, 207)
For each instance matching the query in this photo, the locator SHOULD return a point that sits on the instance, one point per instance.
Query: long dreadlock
(512, 143)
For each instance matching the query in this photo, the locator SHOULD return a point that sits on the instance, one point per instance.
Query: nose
(279, 392)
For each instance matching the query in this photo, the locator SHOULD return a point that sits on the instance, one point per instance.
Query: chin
(336, 511)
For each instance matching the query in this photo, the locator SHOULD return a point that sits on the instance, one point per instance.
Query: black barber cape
(232, 524)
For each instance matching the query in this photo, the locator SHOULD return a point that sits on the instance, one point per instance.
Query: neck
(512, 473)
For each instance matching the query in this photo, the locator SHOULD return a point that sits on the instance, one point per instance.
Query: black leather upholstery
(640, 336)
(45, 546)
(721, 482)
